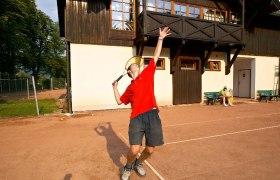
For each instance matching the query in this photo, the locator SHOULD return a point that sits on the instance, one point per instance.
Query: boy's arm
(116, 93)
(162, 35)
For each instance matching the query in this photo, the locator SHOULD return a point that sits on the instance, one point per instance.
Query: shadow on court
(116, 148)
(67, 177)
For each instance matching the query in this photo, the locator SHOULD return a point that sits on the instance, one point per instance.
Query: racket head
(134, 60)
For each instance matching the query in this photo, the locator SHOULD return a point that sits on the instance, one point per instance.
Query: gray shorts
(149, 124)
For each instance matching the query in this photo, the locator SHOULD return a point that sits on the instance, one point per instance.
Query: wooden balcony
(187, 28)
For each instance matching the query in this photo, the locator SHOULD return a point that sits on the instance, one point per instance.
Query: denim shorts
(148, 124)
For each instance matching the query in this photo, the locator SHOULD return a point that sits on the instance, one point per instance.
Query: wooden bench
(212, 97)
(268, 95)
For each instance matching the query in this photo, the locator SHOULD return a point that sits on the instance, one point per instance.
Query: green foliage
(19, 108)
(12, 14)
(29, 41)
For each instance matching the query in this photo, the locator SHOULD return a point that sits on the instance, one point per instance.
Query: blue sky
(49, 7)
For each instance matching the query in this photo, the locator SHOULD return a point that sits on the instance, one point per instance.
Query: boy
(144, 117)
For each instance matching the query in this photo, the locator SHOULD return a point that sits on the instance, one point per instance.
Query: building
(208, 38)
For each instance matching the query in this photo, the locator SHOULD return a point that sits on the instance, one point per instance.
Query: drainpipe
(69, 86)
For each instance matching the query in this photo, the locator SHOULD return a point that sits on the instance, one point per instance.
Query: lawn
(20, 108)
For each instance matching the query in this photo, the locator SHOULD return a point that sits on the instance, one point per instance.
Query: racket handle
(117, 79)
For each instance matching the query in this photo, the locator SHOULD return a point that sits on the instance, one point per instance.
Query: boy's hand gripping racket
(133, 60)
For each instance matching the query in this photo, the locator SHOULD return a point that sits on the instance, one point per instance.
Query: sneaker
(126, 173)
(138, 167)
(225, 105)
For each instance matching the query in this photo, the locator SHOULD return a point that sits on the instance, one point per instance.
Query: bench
(212, 97)
(267, 94)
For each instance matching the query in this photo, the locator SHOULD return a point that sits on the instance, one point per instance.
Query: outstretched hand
(165, 32)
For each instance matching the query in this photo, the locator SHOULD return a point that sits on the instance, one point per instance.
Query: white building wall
(213, 81)
(263, 73)
(95, 67)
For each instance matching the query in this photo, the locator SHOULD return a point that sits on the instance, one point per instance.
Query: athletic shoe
(126, 173)
(138, 167)
(225, 105)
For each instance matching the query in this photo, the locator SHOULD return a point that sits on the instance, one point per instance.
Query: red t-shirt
(140, 93)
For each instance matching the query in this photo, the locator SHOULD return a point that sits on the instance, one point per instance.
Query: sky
(49, 7)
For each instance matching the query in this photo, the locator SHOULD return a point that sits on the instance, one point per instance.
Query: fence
(20, 88)
(13, 85)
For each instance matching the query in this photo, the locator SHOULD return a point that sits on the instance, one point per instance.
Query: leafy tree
(29, 41)
(44, 47)
(12, 39)
(57, 62)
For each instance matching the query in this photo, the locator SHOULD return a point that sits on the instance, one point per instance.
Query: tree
(12, 39)
(44, 46)
(29, 41)
(57, 62)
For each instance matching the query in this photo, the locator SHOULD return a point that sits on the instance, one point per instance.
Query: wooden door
(187, 81)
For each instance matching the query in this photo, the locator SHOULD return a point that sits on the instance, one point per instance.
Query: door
(244, 83)
(187, 81)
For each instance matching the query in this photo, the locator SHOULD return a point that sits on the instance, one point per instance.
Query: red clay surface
(201, 142)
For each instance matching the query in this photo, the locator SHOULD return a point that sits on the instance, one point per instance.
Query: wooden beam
(140, 48)
(205, 60)
(230, 62)
(175, 58)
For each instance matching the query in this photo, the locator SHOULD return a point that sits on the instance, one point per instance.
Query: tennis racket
(133, 60)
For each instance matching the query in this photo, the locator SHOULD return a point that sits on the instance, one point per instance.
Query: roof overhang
(61, 4)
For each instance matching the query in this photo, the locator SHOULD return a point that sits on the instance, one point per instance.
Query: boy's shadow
(115, 146)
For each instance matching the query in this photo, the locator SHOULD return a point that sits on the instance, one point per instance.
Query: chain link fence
(23, 88)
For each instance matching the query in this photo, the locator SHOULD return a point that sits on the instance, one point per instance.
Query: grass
(21, 108)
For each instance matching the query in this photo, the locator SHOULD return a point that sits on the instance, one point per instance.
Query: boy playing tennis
(144, 117)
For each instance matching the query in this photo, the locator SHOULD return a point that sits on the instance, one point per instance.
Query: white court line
(220, 119)
(220, 135)
(146, 162)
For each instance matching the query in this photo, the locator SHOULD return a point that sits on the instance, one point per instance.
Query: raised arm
(162, 34)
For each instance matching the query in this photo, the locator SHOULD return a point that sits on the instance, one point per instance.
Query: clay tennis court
(201, 142)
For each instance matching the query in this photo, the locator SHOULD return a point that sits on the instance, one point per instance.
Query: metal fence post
(36, 100)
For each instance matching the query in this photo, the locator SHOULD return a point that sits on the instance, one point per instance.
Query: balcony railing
(189, 28)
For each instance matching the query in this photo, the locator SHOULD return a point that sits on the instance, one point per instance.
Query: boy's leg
(224, 101)
(138, 165)
(136, 133)
(147, 152)
(154, 137)
(131, 156)
(132, 153)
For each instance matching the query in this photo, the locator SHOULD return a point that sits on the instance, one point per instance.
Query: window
(123, 15)
(235, 18)
(220, 16)
(194, 12)
(160, 63)
(140, 6)
(208, 14)
(213, 66)
(164, 6)
(158, 6)
(189, 64)
(180, 9)
(151, 5)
